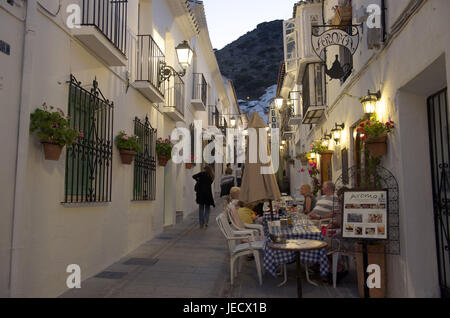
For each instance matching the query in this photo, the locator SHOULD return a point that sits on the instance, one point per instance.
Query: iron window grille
(149, 61)
(110, 18)
(200, 88)
(88, 176)
(144, 184)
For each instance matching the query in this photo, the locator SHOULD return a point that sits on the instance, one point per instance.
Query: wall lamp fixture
(369, 102)
(184, 56)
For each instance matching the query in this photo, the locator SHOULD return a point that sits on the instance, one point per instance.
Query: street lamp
(369, 102)
(233, 122)
(184, 56)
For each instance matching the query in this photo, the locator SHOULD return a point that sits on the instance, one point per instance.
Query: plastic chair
(237, 250)
(235, 218)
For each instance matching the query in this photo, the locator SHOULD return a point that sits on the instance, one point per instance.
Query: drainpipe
(19, 227)
(383, 18)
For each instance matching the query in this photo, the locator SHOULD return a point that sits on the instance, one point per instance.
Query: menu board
(365, 214)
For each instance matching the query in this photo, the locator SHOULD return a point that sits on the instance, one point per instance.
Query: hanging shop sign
(364, 214)
(333, 37)
(343, 36)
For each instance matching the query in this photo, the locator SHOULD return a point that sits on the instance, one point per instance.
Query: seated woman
(246, 213)
(310, 199)
(233, 210)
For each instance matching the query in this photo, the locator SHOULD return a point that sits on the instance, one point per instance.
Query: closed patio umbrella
(257, 187)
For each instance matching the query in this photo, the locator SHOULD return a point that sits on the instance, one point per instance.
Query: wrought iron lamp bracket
(167, 71)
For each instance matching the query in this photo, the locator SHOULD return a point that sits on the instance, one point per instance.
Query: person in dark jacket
(204, 197)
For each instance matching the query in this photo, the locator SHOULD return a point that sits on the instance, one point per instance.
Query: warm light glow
(279, 102)
(283, 142)
(370, 107)
(233, 122)
(184, 54)
(313, 155)
(325, 143)
(337, 135)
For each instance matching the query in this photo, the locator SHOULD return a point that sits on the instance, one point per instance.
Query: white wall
(11, 32)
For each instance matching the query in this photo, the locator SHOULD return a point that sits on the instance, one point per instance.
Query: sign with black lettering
(5, 47)
(364, 214)
(333, 37)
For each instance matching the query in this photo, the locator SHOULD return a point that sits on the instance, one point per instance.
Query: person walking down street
(229, 170)
(204, 197)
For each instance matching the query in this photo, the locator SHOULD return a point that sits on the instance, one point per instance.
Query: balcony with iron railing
(149, 59)
(174, 98)
(103, 29)
(200, 92)
(213, 116)
(314, 93)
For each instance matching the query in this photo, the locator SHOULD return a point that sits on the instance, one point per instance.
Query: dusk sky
(229, 19)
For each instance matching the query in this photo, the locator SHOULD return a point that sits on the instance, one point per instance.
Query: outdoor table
(299, 246)
(275, 257)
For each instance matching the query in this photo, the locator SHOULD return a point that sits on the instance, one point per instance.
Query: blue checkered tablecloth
(274, 258)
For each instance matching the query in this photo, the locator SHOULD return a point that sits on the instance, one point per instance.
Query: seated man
(325, 206)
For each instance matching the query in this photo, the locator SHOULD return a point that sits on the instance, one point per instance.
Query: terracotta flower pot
(377, 146)
(127, 156)
(162, 160)
(52, 150)
(189, 165)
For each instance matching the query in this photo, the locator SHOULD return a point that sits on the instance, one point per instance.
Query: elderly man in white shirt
(326, 205)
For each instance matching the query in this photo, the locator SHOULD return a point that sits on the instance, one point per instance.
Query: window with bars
(88, 176)
(144, 184)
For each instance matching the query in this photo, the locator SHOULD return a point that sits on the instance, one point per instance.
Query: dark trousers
(203, 212)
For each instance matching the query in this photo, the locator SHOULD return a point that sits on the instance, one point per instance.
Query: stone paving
(188, 262)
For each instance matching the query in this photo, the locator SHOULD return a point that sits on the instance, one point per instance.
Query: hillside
(253, 60)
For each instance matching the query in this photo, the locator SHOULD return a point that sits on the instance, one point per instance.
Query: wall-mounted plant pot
(52, 150)
(127, 156)
(162, 160)
(304, 161)
(377, 146)
(189, 165)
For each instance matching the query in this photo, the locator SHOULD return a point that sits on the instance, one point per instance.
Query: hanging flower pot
(127, 156)
(164, 150)
(53, 128)
(377, 146)
(128, 147)
(52, 150)
(162, 160)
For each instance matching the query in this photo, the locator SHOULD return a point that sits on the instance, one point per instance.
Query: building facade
(402, 52)
(101, 63)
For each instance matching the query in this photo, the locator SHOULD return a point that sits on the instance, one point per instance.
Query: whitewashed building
(403, 54)
(111, 54)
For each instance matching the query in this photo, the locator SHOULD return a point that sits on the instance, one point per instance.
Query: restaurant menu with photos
(365, 214)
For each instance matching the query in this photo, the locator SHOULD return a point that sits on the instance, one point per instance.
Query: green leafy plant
(123, 141)
(318, 147)
(373, 129)
(51, 125)
(302, 156)
(164, 147)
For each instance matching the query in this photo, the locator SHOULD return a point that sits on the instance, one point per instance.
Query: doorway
(438, 123)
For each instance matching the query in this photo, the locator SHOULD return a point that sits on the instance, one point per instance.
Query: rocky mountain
(253, 61)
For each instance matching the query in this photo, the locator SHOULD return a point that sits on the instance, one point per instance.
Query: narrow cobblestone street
(188, 262)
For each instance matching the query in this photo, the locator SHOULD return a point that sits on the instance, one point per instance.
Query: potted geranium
(375, 135)
(164, 151)
(128, 147)
(342, 13)
(303, 159)
(318, 147)
(53, 129)
(190, 164)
